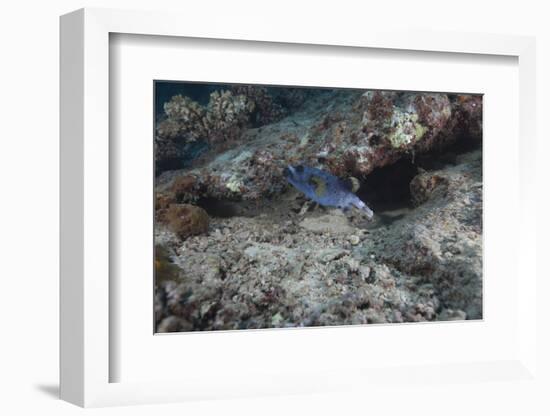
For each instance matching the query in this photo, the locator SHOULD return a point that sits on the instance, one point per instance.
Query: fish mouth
(369, 212)
(363, 207)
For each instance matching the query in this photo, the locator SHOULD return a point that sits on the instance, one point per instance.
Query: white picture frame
(85, 218)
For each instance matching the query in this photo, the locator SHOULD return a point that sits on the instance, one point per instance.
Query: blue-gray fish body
(324, 188)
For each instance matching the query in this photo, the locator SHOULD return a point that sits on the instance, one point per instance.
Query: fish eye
(300, 168)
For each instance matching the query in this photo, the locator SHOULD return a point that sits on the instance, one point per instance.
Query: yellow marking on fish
(318, 184)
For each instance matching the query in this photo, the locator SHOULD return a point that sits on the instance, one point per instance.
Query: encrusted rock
(441, 242)
(185, 219)
(188, 129)
(368, 131)
(226, 115)
(424, 185)
(184, 119)
(265, 110)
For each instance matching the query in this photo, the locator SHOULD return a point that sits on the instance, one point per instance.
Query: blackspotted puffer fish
(325, 188)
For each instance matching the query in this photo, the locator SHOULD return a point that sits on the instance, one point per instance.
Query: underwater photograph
(288, 207)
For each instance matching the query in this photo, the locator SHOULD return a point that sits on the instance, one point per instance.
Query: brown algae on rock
(185, 219)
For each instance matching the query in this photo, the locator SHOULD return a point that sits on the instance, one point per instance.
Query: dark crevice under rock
(388, 187)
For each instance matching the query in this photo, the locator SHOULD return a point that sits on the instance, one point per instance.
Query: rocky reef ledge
(238, 248)
(345, 132)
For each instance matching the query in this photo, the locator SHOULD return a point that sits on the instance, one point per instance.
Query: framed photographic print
(268, 213)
